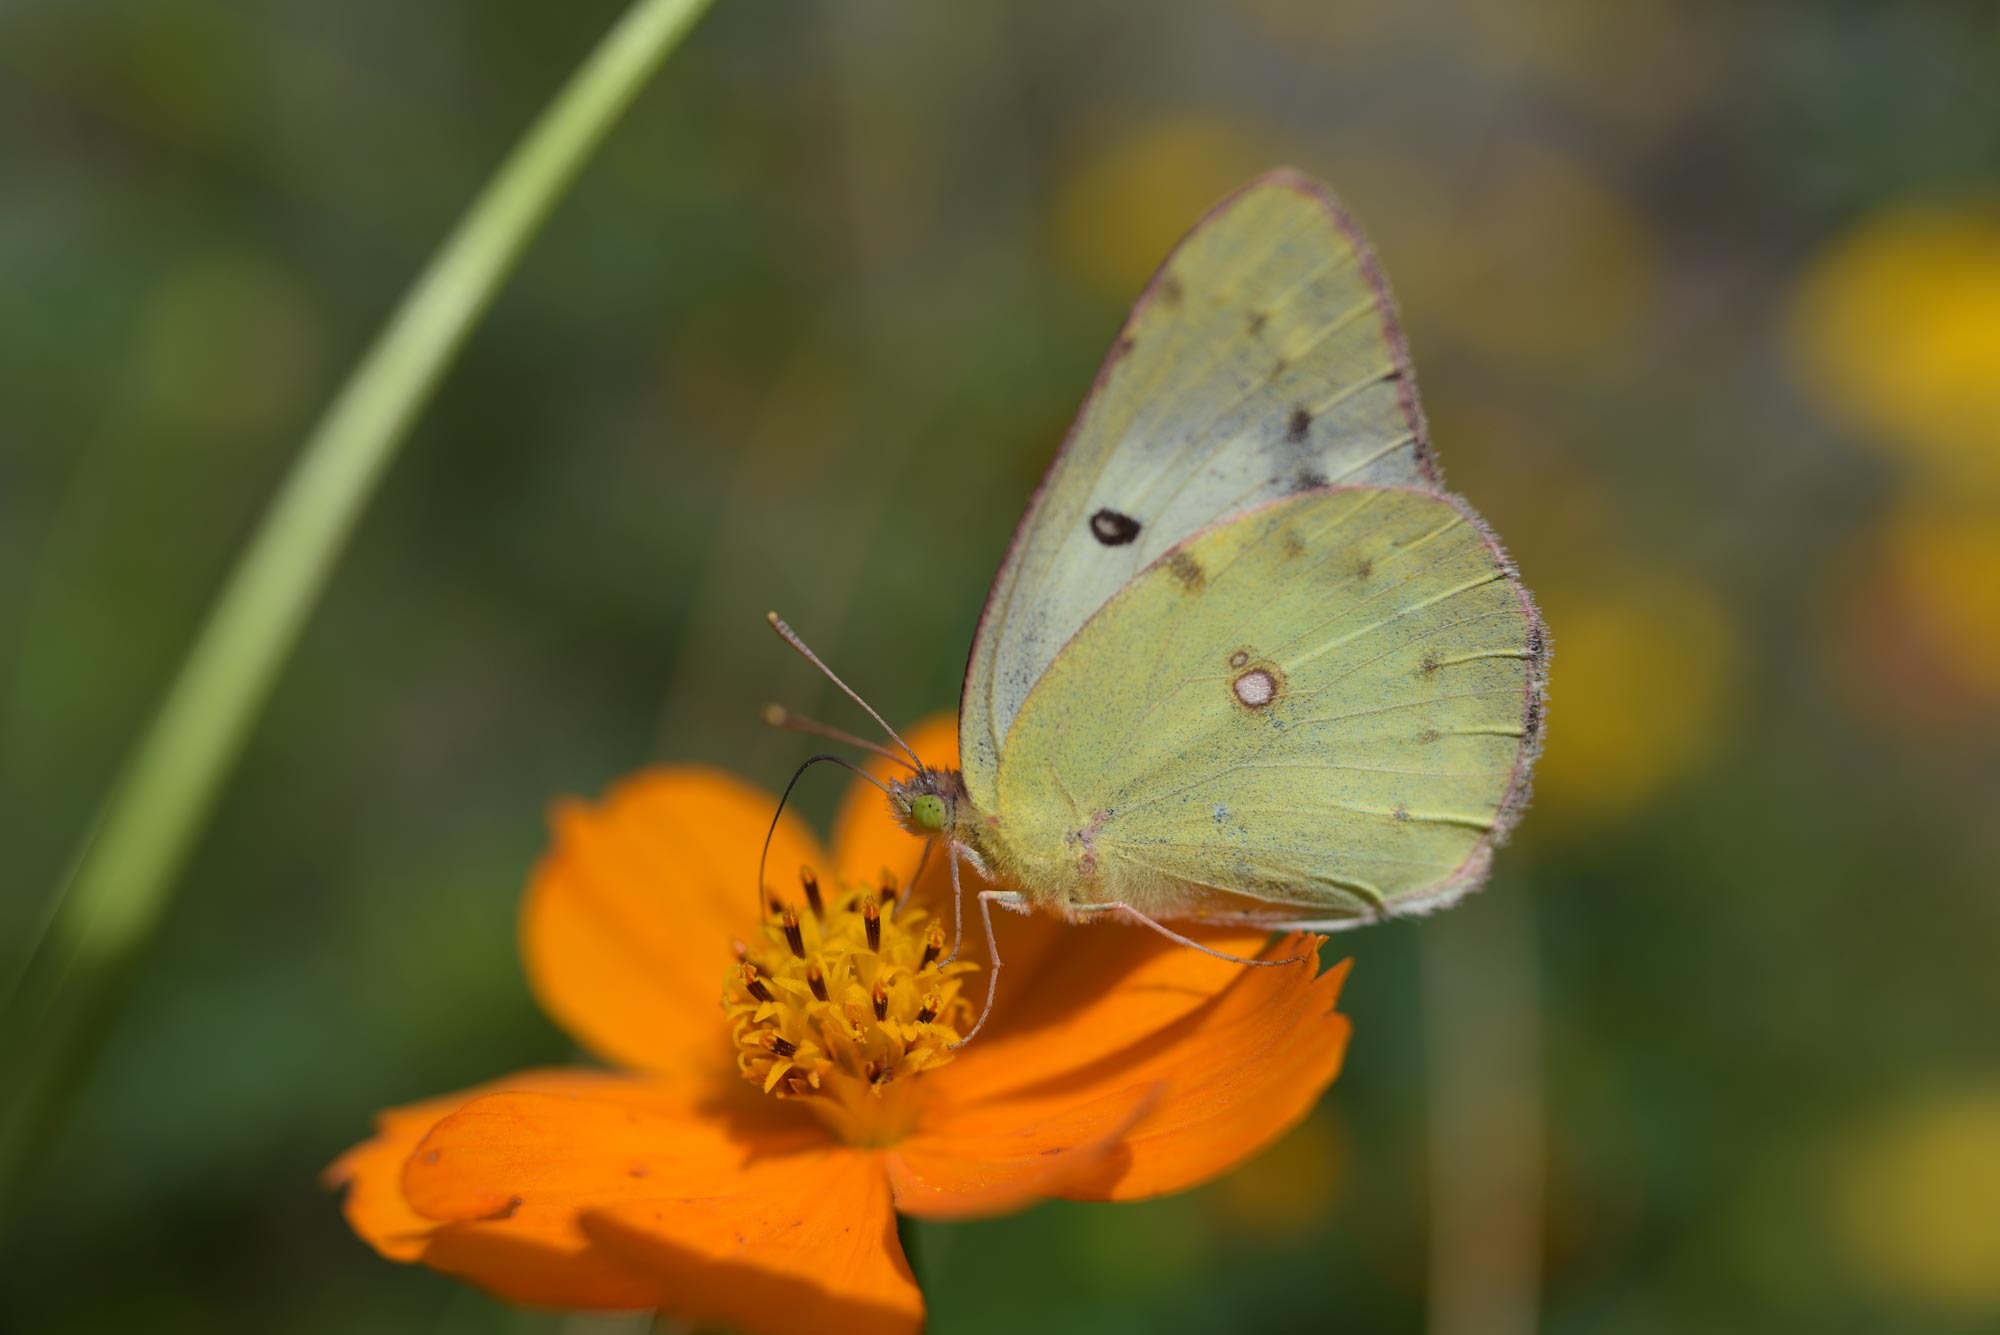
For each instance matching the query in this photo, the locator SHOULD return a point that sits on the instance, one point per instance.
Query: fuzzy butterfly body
(1246, 660)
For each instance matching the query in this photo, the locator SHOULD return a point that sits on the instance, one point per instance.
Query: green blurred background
(1705, 301)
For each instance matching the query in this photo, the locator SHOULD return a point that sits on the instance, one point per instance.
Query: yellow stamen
(837, 1009)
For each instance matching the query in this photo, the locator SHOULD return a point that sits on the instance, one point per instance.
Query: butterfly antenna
(780, 717)
(764, 857)
(790, 636)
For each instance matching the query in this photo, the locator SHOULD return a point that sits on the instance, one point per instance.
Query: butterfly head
(927, 803)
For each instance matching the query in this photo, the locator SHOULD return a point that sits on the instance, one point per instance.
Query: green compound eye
(927, 811)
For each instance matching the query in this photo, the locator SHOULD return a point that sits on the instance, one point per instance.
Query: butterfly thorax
(1050, 867)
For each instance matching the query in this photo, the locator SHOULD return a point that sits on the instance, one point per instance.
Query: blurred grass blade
(119, 885)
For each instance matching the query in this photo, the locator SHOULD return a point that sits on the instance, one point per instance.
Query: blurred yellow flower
(1127, 200)
(1547, 265)
(1895, 330)
(1642, 666)
(1918, 1205)
(1532, 262)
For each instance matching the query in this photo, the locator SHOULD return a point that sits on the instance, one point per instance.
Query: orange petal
(627, 928)
(508, 1176)
(992, 1160)
(866, 838)
(1238, 1073)
(1097, 991)
(1246, 1072)
(803, 1242)
(372, 1172)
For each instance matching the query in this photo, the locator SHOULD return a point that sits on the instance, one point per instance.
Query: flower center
(842, 1005)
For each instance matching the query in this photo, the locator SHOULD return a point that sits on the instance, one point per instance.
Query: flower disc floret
(843, 1004)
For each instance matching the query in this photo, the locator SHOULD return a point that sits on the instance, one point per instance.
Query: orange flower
(1116, 1066)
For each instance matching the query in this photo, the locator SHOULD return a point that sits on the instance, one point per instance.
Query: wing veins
(1466, 587)
(1271, 849)
(1370, 662)
(1407, 704)
(1124, 807)
(1369, 893)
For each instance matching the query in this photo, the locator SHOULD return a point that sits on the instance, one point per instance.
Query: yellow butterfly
(1246, 661)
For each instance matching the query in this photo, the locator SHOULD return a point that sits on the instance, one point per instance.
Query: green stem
(121, 880)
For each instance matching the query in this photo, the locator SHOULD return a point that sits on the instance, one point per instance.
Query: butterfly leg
(957, 903)
(987, 899)
(1192, 944)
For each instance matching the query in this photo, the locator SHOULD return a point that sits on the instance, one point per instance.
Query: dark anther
(871, 921)
(777, 905)
(816, 981)
(933, 945)
(930, 1008)
(811, 884)
(881, 1002)
(754, 985)
(888, 883)
(876, 1072)
(782, 1047)
(794, 937)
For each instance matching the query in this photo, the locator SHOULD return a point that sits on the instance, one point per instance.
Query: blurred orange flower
(1117, 1067)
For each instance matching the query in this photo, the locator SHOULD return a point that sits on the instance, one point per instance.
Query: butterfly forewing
(1264, 360)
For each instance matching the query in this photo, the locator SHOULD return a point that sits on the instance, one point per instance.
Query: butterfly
(1246, 661)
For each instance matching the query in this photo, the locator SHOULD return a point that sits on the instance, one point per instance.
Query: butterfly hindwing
(1321, 710)
(1263, 360)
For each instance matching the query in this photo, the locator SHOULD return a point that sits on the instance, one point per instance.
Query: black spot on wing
(1296, 429)
(1113, 529)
